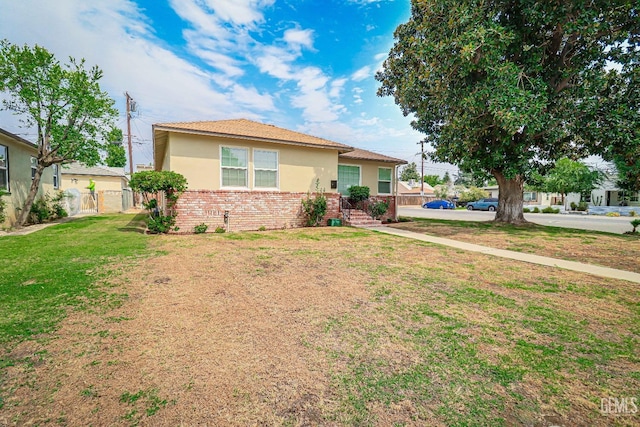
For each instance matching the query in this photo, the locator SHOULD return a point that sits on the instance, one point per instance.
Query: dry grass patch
(337, 326)
(591, 247)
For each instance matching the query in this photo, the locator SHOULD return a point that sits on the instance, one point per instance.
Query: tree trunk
(509, 199)
(33, 191)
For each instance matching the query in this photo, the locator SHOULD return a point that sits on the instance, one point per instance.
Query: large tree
(63, 103)
(508, 87)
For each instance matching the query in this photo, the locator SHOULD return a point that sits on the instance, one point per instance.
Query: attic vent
(412, 182)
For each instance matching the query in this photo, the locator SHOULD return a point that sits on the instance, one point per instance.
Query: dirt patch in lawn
(621, 252)
(332, 327)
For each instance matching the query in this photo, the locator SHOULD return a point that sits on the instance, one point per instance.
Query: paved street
(584, 222)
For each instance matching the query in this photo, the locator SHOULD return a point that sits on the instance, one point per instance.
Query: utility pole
(129, 100)
(422, 169)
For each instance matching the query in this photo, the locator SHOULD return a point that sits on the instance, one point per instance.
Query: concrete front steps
(362, 219)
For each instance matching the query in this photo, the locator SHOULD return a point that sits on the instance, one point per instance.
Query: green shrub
(199, 229)
(40, 210)
(583, 206)
(472, 194)
(526, 210)
(262, 228)
(613, 214)
(574, 206)
(220, 230)
(158, 224)
(549, 209)
(635, 224)
(378, 208)
(315, 208)
(3, 206)
(149, 183)
(631, 213)
(536, 210)
(358, 193)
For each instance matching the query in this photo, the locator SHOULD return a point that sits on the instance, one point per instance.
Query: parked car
(439, 204)
(488, 204)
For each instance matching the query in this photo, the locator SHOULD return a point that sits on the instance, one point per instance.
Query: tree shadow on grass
(137, 225)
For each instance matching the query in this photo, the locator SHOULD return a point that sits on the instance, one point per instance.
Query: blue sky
(306, 65)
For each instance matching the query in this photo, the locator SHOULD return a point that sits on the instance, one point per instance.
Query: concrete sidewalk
(611, 273)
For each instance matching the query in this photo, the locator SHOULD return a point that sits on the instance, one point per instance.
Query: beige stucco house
(17, 168)
(257, 174)
(111, 188)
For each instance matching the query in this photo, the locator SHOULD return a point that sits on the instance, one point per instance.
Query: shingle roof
(243, 128)
(359, 154)
(80, 169)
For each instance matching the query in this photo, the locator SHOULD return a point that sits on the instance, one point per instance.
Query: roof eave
(341, 148)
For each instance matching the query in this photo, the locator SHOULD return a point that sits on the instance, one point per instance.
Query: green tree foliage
(116, 155)
(472, 194)
(149, 184)
(446, 179)
(63, 103)
(569, 176)
(433, 180)
(509, 87)
(410, 172)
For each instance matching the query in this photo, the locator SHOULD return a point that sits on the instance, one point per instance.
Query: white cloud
(361, 74)
(295, 38)
(250, 97)
(336, 88)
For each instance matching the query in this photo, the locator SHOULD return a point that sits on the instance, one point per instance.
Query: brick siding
(247, 210)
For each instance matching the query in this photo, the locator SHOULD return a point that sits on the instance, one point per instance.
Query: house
(18, 161)
(111, 188)
(606, 198)
(244, 175)
(414, 193)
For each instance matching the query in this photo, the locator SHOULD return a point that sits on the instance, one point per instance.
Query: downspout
(395, 193)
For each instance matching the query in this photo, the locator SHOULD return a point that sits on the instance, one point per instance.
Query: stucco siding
(198, 159)
(19, 162)
(81, 182)
(369, 174)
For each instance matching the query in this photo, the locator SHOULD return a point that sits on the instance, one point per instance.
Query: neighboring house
(414, 193)
(18, 160)
(244, 175)
(111, 187)
(606, 195)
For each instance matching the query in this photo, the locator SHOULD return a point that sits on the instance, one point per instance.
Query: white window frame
(390, 181)
(56, 176)
(359, 173)
(34, 167)
(276, 170)
(530, 199)
(633, 196)
(246, 168)
(5, 169)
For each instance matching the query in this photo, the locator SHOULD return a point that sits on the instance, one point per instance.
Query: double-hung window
(4, 168)
(56, 176)
(234, 166)
(265, 168)
(529, 196)
(384, 180)
(34, 167)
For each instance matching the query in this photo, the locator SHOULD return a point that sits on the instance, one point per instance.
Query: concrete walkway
(611, 273)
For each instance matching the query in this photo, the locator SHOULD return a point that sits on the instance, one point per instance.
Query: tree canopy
(410, 172)
(568, 176)
(116, 154)
(63, 103)
(508, 87)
